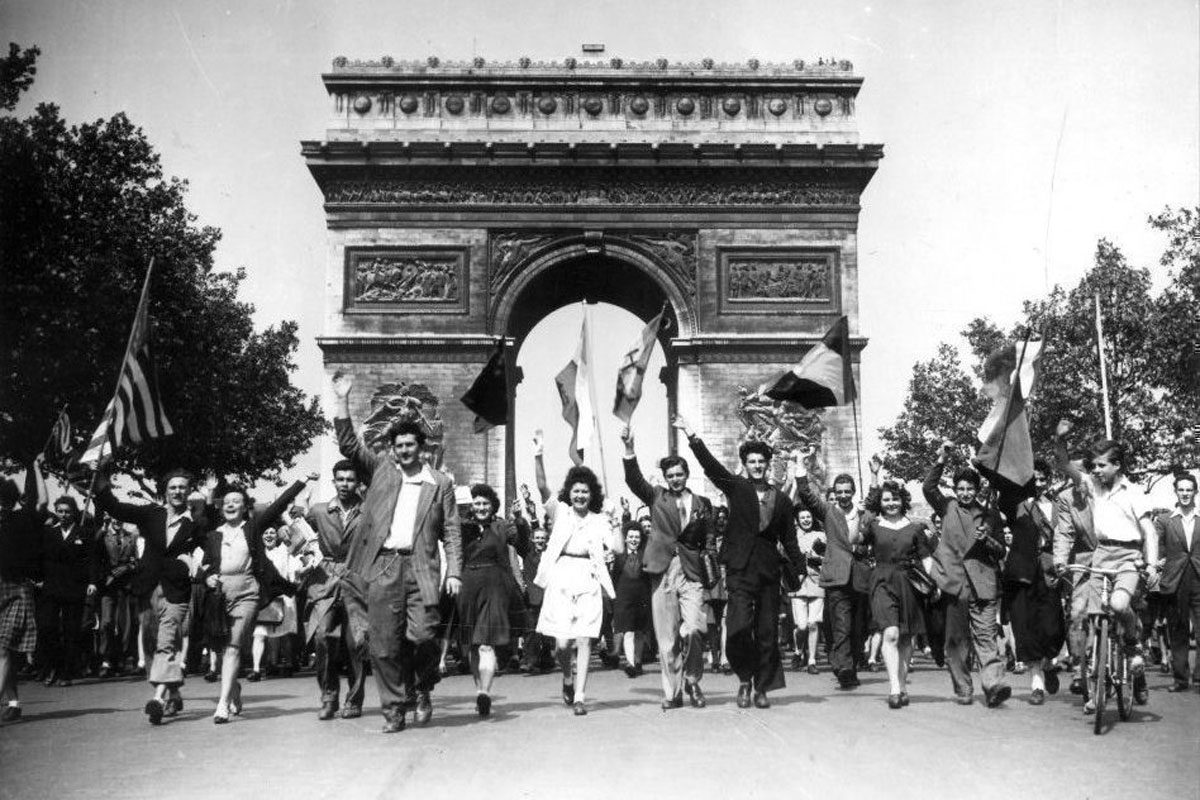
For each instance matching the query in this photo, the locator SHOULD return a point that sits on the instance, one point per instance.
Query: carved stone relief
(751, 279)
(405, 402)
(400, 280)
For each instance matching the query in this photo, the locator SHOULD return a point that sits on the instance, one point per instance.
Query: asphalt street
(91, 740)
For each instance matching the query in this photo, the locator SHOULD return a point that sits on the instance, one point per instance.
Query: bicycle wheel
(1121, 678)
(1100, 687)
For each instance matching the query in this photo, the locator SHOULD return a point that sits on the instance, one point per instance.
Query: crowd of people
(401, 573)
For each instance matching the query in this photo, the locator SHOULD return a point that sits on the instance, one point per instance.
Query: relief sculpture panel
(767, 281)
(393, 279)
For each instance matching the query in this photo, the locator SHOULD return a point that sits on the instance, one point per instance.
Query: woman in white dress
(573, 572)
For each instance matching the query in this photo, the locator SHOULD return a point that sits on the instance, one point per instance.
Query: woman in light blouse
(236, 561)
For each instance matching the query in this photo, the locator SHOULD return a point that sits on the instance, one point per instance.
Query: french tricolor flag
(823, 377)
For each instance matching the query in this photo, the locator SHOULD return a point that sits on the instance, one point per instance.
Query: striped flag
(823, 377)
(135, 414)
(1009, 377)
(59, 443)
(574, 389)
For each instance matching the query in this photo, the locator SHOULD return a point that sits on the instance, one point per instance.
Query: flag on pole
(1009, 378)
(823, 377)
(135, 414)
(59, 443)
(633, 369)
(574, 389)
(488, 395)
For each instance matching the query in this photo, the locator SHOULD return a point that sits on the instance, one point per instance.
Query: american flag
(135, 414)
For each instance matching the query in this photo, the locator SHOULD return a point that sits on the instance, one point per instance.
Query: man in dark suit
(66, 575)
(113, 563)
(162, 583)
(535, 648)
(966, 570)
(393, 563)
(337, 621)
(1179, 542)
(843, 575)
(680, 530)
(760, 519)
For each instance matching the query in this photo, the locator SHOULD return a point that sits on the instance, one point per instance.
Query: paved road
(92, 741)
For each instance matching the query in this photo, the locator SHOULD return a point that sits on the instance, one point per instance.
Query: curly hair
(586, 476)
(405, 427)
(874, 502)
(762, 448)
(483, 490)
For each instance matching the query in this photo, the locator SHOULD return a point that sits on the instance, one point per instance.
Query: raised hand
(342, 383)
(1063, 428)
(539, 442)
(946, 451)
(681, 423)
(627, 435)
(875, 464)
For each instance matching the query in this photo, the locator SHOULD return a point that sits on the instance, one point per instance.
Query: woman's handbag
(919, 579)
(709, 568)
(271, 613)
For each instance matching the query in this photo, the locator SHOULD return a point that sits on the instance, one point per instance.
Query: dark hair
(345, 465)
(874, 502)
(1043, 466)
(178, 473)
(235, 488)
(633, 526)
(1185, 476)
(406, 427)
(666, 462)
(483, 490)
(67, 500)
(969, 475)
(1106, 447)
(844, 477)
(749, 448)
(583, 475)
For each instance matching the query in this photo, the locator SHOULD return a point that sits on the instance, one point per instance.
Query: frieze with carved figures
(766, 280)
(395, 279)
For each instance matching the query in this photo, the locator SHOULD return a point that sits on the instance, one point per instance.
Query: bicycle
(1106, 667)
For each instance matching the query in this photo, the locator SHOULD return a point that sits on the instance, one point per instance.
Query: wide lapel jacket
(1173, 547)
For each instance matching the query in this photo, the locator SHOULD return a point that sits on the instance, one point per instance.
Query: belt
(1117, 543)
(387, 551)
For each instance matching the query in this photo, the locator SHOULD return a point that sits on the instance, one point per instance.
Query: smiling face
(965, 492)
(756, 466)
(177, 494)
(633, 540)
(539, 539)
(676, 477)
(581, 496)
(891, 503)
(843, 494)
(804, 520)
(481, 509)
(233, 507)
(270, 538)
(1041, 482)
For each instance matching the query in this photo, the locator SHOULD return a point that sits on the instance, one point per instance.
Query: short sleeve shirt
(1117, 514)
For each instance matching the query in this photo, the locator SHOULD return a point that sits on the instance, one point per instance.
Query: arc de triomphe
(466, 201)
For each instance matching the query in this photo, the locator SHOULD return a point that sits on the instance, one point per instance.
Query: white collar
(424, 476)
(1178, 512)
(897, 525)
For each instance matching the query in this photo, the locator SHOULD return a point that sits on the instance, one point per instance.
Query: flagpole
(50, 438)
(592, 395)
(858, 444)
(1103, 369)
(120, 372)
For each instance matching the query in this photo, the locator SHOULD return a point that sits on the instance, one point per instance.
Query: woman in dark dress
(897, 542)
(488, 587)
(631, 609)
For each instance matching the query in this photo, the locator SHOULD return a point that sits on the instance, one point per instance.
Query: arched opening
(544, 324)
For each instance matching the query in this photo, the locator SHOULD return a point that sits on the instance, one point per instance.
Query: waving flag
(488, 395)
(633, 369)
(1009, 377)
(574, 389)
(135, 414)
(823, 377)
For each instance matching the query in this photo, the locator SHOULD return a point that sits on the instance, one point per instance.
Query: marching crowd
(402, 572)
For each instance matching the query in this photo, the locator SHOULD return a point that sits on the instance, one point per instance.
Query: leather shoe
(580, 709)
(212, 676)
(904, 698)
(894, 701)
(964, 699)
(174, 704)
(483, 705)
(154, 710)
(812, 670)
(1037, 697)
(695, 695)
(10, 714)
(393, 721)
(255, 676)
(1178, 686)
(1076, 685)
(327, 712)
(761, 701)
(674, 702)
(351, 712)
(743, 695)
(1141, 694)
(1052, 683)
(998, 695)
(424, 708)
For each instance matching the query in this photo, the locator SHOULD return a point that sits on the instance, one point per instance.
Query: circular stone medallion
(776, 106)
(501, 105)
(823, 106)
(408, 103)
(362, 104)
(593, 105)
(732, 106)
(547, 105)
(454, 104)
(685, 106)
(639, 105)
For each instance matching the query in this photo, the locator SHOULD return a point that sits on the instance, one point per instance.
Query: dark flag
(1006, 450)
(823, 377)
(488, 395)
(633, 369)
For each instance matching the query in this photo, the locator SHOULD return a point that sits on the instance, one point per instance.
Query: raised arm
(804, 491)
(520, 535)
(539, 467)
(931, 488)
(350, 444)
(268, 515)
(107, 502)
(1062, 459)
(715, 470)
(634, 478)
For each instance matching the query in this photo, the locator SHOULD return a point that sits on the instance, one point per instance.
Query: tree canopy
(1153, 363)
(85, 208)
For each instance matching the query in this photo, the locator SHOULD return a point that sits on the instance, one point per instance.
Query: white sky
(1016, 133)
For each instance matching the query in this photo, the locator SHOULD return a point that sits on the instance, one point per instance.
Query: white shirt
(404, 518)
(235, 552)
(683, 503)
(1117, 514)
(174, 521)
(1188, 523)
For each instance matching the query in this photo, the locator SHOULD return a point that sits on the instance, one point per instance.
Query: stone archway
(465, 200)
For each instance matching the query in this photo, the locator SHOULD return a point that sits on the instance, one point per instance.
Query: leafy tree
(85, 208)
(943, 402)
